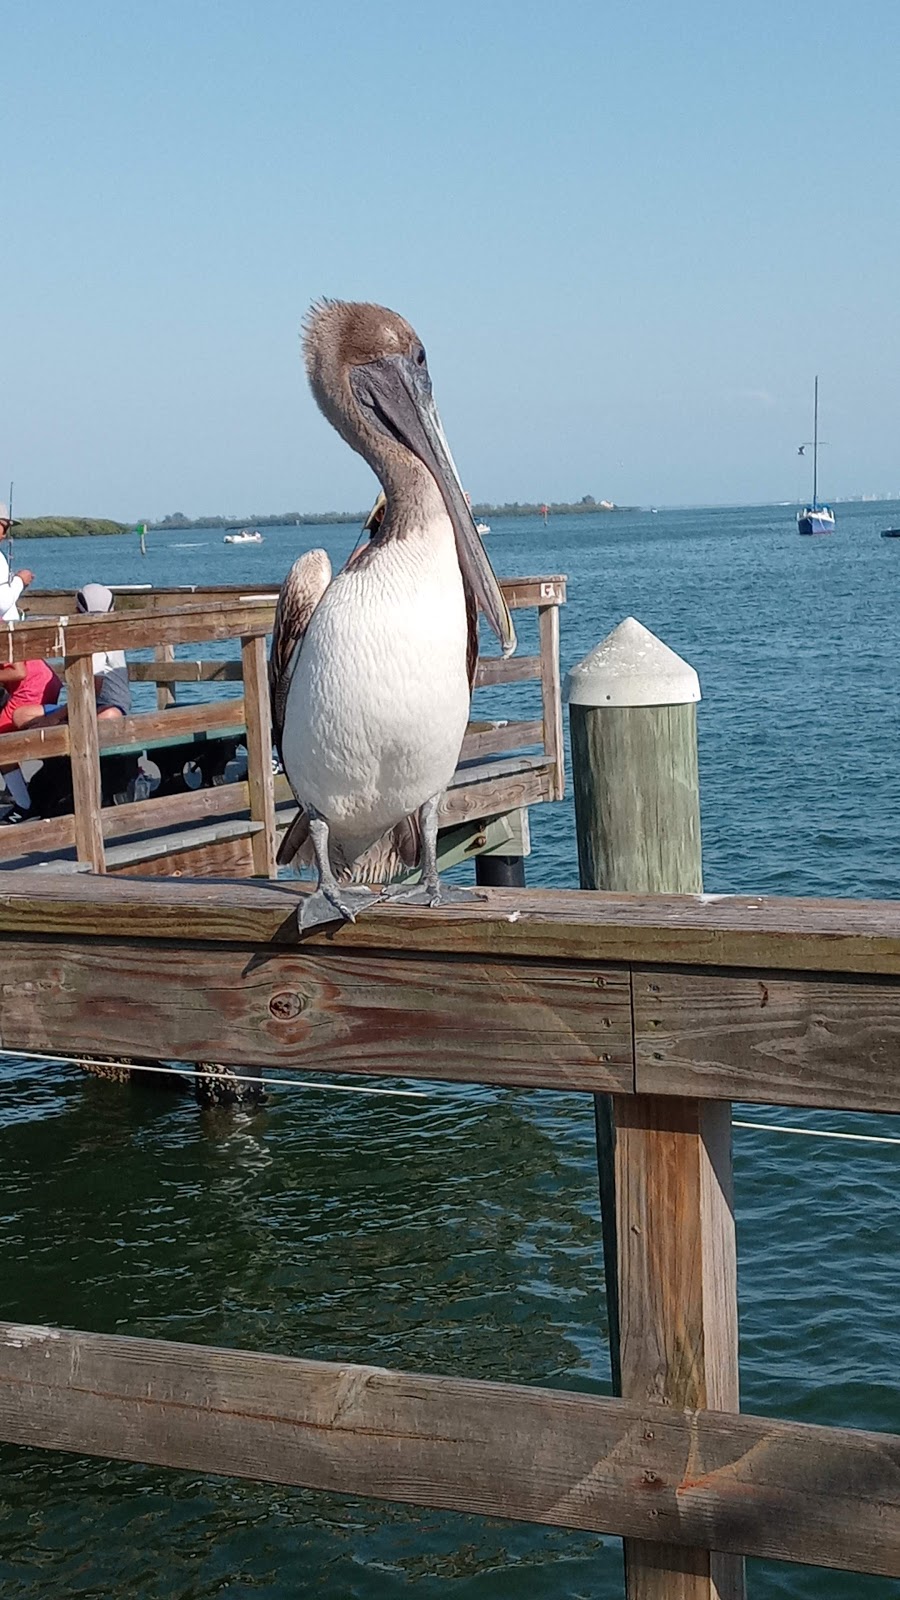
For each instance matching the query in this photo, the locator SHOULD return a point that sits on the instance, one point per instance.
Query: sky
(629, 236)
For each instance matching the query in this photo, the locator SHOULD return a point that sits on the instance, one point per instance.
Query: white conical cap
(631, 667)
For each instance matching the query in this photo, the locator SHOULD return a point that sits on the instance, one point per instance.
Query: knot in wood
(286, 1004)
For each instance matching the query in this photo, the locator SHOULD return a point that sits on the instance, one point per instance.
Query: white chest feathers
(379, 699)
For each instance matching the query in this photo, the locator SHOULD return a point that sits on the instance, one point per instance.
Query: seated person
(31, 686)
(110, 670)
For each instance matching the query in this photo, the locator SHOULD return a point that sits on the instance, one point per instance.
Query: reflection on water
(460, 1233)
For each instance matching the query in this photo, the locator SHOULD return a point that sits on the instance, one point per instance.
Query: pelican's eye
(420, 357)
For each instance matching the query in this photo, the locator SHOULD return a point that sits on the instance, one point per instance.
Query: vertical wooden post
(84, 754)
(260, 779)
(165, 692)
(554, 742)
(665, 1163)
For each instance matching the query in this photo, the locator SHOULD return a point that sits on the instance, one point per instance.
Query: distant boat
(483, 528)
(890, 533)
(246, 536)
(815, 518)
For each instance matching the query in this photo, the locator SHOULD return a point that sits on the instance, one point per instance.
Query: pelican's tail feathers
(295, 843)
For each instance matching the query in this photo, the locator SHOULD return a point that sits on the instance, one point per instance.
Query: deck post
(165, 692)
(664, 1163)
(84, 755)
(260, 777)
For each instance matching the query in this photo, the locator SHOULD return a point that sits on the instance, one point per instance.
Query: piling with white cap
(633, 718)
(632, 710)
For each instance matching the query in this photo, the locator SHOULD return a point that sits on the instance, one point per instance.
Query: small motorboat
(483, 528)
(890, 533)
(246, 536)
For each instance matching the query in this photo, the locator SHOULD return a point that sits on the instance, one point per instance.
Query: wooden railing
(164, 619)
(666, 1002)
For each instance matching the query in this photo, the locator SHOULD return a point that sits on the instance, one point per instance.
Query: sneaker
(17, 814)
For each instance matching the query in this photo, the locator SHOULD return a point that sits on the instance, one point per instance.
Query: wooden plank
(259, 754)
(551, 696)
(165, 694)
(85, 761)
(138, 851)
(471, 795)
(490, 670)
(515, 669)
(493, 738)
(524, 593)
(557, 1025)
(136, 731)
(783, 1491)
(766, 1037)
(68, 636)
(184, 671)
(228, 857)
(815, 936)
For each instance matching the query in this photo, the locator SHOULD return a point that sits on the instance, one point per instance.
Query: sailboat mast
(816, 443)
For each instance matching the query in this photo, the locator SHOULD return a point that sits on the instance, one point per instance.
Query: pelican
(371, 670)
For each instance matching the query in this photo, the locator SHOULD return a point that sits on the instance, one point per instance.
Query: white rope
(224, 1077)
(818, 1133)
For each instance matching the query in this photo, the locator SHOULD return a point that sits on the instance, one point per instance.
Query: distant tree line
(66, 527)
(299, 519)
(74, 527)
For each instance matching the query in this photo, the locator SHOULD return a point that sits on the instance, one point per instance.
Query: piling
(664, 1162)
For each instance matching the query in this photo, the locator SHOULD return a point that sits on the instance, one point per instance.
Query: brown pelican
(371, 671)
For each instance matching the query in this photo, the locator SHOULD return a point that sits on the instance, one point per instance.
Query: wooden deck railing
(490, 780)
(663, 1001)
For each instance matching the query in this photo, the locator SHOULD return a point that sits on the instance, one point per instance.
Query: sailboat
(815, 518)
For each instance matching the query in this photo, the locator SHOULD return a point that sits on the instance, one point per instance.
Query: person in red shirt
(31, 687)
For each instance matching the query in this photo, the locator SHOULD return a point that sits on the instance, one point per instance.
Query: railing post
(165, 692)
(84, 755)
(260, 779)
(554, 745)
(665, 1163)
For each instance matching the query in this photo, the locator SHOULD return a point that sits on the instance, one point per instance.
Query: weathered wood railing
(662, 1001)
(490, 780)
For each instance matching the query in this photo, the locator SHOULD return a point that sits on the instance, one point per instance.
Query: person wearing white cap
(10, 587)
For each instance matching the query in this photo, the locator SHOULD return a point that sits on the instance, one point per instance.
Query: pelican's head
(368, 372)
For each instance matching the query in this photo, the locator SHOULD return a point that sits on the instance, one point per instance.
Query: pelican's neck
(415, 505)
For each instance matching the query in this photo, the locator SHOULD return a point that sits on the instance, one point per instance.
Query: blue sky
(628, 234)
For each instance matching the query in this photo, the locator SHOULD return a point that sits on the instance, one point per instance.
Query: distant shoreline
(86, 527)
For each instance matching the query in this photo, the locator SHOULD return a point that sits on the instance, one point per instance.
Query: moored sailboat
(815, 518)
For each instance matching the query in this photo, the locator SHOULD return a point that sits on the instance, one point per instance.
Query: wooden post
(84, 754)
(554, 744)
(165, 692)
(260, 778)
(665, 1163)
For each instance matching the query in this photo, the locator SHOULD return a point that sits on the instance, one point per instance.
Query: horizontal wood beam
(495, 738)
(843, 937)
(519, 592)
(42, 744)
(490, 670)
(828, 1497)
(76, 635)
(532, 1024)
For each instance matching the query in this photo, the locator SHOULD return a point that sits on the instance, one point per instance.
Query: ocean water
(459, 1232)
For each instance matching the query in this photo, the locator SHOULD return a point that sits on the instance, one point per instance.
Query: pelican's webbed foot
(432, 894)
(331, 903)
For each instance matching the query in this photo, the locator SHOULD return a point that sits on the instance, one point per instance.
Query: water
(460, 1233)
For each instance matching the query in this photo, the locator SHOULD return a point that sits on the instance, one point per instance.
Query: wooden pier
(506, 765)
(665, 1007)
(671, 1004)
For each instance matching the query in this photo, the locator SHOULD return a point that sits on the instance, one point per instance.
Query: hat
(94, 597)
(5, 516)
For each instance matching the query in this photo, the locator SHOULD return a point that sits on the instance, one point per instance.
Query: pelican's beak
(394, 393)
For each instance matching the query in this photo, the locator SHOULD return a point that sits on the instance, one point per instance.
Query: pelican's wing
(301, 592)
